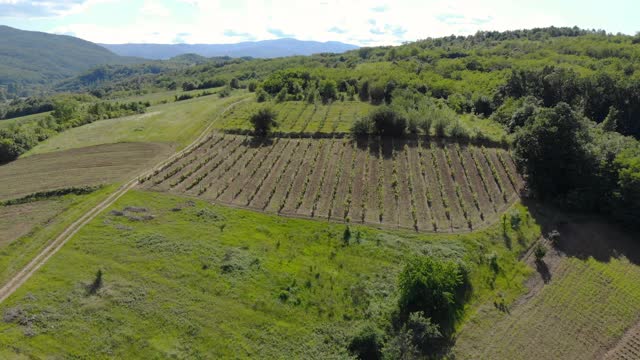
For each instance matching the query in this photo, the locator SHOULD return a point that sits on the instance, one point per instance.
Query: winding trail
(39, 260)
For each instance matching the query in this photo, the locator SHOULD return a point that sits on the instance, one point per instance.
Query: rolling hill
(30, 58)
(257, 49)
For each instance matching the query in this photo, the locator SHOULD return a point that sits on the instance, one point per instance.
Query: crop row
(410, 184)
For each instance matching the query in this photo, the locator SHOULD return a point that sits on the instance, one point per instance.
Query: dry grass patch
(92, 165)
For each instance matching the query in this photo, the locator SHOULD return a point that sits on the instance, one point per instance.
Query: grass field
(337, 117)
(301, 117)
(60, 212)
(21, 120)
(412, 184)
(94, 165)
(177, 123)
(159, 96)
(186, 279)
(588, 298)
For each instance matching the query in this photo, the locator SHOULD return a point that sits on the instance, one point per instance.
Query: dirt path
(39, 260)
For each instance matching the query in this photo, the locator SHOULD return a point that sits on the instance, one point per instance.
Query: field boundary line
(43, 256)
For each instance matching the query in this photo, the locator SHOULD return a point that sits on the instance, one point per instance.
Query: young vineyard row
(411, 183)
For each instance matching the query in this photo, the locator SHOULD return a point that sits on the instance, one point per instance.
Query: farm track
(392, 183)
(54, 246)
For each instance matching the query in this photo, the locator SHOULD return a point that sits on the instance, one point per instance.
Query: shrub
(346, 236)
(425, 125)
(440, 126)
(253, 85)
(515, 220)
(225, 92)
(263, 121)
(93, 288)
(434, 287)
(282, 95)
(261, 95)
(539, 252)
(386, 121)
(361, 127)
(367, 343)
(423, 330)
(458, 131)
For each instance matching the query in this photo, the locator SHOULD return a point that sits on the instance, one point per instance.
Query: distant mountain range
(256, 49)
(30, 58)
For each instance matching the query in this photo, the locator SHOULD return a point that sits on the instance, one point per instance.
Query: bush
(425, 125)
(424, 332)
(225, 92)
(367, 344)
(539, 252)
(387, 122)
(261, 95)
(433, 287)
(440, 127)
(456, 130)
(263, 121)
(361, 127)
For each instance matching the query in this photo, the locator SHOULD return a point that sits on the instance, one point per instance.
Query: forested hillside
(29, 58)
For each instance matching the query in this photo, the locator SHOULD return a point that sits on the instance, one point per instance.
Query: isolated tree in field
(263, 121)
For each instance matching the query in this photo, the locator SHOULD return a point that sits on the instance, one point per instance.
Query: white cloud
(45, 8)
(155, 8)
(360, 22)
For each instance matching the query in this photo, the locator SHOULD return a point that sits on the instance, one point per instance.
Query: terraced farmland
(413, 183)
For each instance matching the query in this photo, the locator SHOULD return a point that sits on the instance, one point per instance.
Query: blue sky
(358, 22)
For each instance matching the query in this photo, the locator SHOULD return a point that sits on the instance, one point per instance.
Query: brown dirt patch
(93, 165)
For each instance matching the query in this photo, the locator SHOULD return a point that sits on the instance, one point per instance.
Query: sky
(362, 23)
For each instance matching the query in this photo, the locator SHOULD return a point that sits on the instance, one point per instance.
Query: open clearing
(176, 123)
(94, 165)
(585, 296)
(412, 184)
(191, 280)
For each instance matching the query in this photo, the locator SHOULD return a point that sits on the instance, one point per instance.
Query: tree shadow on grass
(584, 235)
(543, 270)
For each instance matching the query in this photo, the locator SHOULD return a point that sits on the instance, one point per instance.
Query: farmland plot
(400, 183)
(300, 117)
(582, 303)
